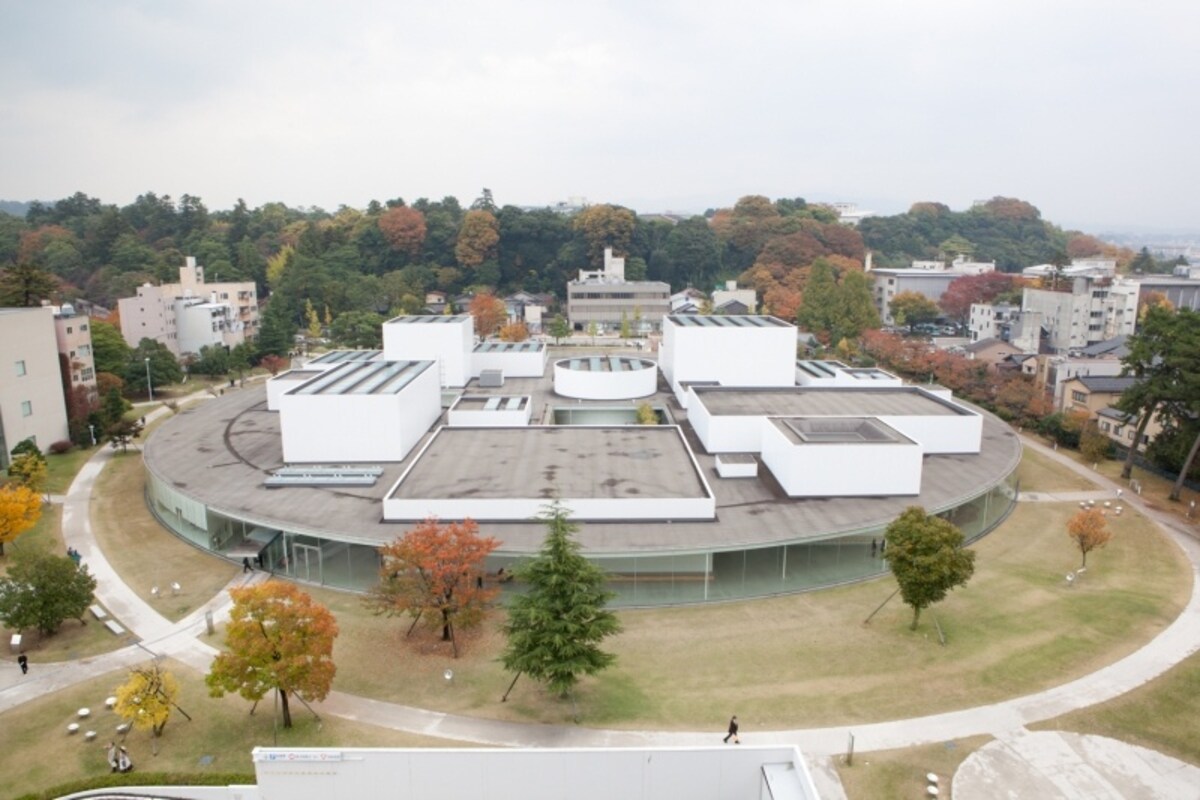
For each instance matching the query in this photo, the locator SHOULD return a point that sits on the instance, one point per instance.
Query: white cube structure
(360, 411)
(278, 385)
(840, 457)
(512, 359)
(490, 411)
(730, 350)
(448, 340)
(835, 373)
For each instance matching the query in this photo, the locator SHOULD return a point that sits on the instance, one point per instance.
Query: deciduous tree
(913, 308)
(435, 572)
(273, 364)
(20, 509)
(404, 229)
(29, 470)
(489, 313)
(962, 292)
(26, 285)
(555, 627)
(477, 239)
(559, 328)
(605, 226)
(42, 590)
(109, 350)
(514, 332)
(147, 698)
(280, 639)
(927, 558)
(1089, 529)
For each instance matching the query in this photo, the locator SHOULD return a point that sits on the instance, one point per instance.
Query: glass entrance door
(307, 562)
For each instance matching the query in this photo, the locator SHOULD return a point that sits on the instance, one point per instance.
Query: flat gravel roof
(554, 461)
(220, 451)
(803, 401)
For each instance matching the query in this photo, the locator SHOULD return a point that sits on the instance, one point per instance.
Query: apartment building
(1087, 309)
(191, 314)
(31, 388)
(929, 278)
(73, 337)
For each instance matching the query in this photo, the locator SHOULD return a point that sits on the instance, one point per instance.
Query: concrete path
(1052, 765)
(1005, 719)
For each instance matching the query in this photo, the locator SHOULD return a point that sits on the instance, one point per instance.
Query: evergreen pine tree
(555, 628)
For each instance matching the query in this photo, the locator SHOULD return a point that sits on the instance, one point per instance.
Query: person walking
(23, 662)
(112, 756)
(733, 731)
(124, 763)
(246, 567)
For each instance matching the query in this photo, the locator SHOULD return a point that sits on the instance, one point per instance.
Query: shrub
(109, 780)
(61, 446)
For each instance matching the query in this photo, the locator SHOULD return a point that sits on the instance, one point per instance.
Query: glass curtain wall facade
(638, 580)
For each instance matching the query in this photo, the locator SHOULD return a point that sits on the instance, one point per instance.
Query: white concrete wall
(732, 356)
(699, 773)
(478, 418)
(513, 365)
(283, 382)
(841, 470)
(447, 341)
(587, 385)
(960, 433)
(740, 469)
(334, 428)
(200, 325)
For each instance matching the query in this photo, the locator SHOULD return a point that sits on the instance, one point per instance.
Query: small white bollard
(84, 713)
(123, 727)
(175, 587)
(73, 728)
(89, 735)
(154, 592)
(109, 702)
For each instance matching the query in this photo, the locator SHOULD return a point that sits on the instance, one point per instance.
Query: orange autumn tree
(1089, 529)
(489, 312)
(277, 638)
(514, 332)
(435, 572)
(20, 509)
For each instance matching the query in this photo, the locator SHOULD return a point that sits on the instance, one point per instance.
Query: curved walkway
(1176, 642)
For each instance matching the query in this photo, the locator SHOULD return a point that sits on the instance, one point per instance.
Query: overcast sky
(1086, 108)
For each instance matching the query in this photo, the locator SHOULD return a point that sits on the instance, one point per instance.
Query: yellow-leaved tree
(20, 509)
(1089, 529)
(278, 638)
(147, 699)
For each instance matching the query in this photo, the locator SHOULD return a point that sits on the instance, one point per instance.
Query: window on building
(69, 329)
(87, 374)
(83, 327)
(1104, 426)
(1079, 397)
(26, 408)
(20, 368)
(1129, 435)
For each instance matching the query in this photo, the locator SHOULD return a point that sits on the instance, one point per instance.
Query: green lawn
(38, 753)
(807, 660)
(144, 554)
(62, 468)
(1041, 474)
(901, 773)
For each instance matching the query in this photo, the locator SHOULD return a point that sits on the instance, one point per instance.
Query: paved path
(1176, 642)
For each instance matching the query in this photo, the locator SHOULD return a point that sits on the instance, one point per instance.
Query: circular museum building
(742, 490)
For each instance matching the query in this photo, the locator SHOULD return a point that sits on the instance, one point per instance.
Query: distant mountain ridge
(17, 208)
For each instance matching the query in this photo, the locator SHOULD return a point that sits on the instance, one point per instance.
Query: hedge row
(111, 780)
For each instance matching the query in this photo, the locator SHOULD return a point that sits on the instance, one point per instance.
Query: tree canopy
(435, 573)
(1088, 528)
(20, 509)
(556, 625)
(278, 638)
(927, 558)
(43, 590)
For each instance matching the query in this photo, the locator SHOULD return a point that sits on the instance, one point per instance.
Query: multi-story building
(929, 278)
(73, 336)
(31, 389)
(1087, 310)
(1007, 323)
(604, 298)
(191, 314)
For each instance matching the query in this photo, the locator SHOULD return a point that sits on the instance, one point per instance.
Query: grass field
(61, 469)
(1040, 474)
(807, 660)
(38, 753)
(141, 552)
(901, 773)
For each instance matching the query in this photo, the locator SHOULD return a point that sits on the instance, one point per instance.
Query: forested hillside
(384, 258)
